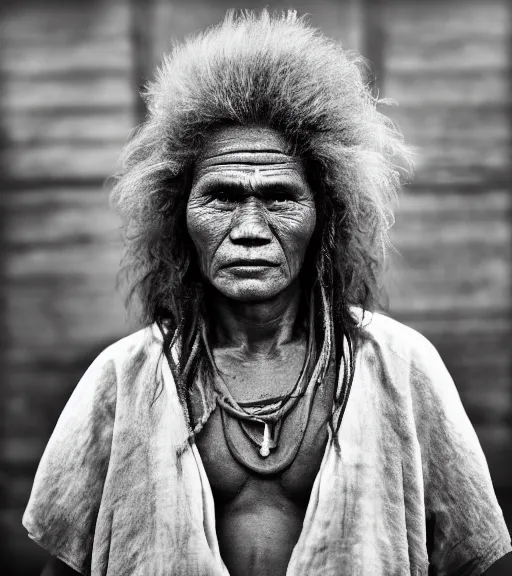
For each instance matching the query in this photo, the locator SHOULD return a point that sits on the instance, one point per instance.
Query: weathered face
(250, 214)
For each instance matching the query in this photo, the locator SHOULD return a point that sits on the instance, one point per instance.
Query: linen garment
(121, 489)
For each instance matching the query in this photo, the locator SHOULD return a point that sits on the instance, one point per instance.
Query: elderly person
(266, 421)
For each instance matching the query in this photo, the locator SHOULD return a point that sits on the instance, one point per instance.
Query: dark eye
(224, 197)
(279, 195)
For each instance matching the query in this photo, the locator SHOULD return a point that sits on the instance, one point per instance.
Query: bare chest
(227, 476)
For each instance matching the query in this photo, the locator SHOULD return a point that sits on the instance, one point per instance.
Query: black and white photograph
(256, 288)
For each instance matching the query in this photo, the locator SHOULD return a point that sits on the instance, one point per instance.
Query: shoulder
(115, 369)
(129, 354)
(398, 358)
(395, 341)
(125, 348)
(466, 526)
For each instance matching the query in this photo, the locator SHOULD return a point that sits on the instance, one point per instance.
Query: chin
(249, 291)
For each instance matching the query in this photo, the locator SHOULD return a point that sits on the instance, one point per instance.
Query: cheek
(206, 230)
(295, 232)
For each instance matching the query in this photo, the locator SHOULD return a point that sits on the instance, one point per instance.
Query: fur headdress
(277, 71)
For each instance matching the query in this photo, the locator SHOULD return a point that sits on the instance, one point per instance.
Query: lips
(252, 262)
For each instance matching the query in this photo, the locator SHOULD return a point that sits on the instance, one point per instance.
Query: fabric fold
(121, 489)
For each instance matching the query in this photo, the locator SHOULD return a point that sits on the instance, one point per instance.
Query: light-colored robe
(121, 491)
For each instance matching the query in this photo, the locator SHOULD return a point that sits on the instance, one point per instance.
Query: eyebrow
(242, 187)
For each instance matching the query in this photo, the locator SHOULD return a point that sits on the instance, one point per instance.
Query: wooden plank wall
(448, 66)
(69, 71)
(67, 106)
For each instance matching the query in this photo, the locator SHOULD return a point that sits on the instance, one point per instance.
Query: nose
(250, 227)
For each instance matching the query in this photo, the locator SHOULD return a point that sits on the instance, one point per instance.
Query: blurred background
(70, 72)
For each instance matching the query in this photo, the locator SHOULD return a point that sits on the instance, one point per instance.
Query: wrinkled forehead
(244, 149)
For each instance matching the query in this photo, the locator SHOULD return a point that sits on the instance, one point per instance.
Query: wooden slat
(441, 20)
(33, 415)
(111, 55)
(453, 123)
(450, 287)
(98, 127)
(454, 253)
(460, 279)
(458, 171)
(22, 94)
(456, 144)
(78, 160)
(68, 260)
(61, 22)
(479, 87)
(491, 202)
(59, 280)
(449, 72)
(456, 141)
(52, 216)
(420, 54)
(69, 111)
(491, 321)
(55, 323)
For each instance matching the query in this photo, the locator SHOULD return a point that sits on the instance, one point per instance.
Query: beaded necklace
(261, 421)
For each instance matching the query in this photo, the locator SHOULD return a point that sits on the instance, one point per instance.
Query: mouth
(251, 263)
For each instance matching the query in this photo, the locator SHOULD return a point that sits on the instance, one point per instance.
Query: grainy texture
(68, 101)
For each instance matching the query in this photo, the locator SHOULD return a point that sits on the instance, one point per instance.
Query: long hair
(277, 71)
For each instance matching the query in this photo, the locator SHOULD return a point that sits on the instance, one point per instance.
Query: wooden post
(373, 39)
(141, 30)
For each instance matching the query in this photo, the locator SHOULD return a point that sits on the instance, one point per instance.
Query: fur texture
(277, 71)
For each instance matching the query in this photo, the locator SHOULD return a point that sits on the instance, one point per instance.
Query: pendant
(265, 445)
(266, 441)
(270, 458)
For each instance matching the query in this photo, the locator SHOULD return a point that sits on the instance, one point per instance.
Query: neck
(256, 327)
